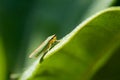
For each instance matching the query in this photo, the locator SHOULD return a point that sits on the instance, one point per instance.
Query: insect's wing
(40, 48)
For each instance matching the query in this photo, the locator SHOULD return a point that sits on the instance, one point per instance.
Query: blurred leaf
(14, 31)
(26, 23)
(82, 52)
(3, 67)
(96, 6)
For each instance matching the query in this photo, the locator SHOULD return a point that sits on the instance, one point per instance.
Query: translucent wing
(42, 47)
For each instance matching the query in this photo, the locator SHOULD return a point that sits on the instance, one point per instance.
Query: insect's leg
(48, 48)
(42, 56)
(44, 53)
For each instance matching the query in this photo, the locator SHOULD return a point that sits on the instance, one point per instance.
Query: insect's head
(53, 39)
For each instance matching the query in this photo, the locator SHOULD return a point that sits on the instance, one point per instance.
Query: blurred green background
(24, 24)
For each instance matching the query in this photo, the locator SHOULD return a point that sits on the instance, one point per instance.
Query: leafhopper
(44, 47)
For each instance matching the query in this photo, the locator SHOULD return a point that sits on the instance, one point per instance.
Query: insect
(44, 47)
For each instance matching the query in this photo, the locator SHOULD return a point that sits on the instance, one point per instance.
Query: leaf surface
(83, 52)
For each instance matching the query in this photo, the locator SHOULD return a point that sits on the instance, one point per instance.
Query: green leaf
(2, 62)
(83, 52)
(96, 6)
